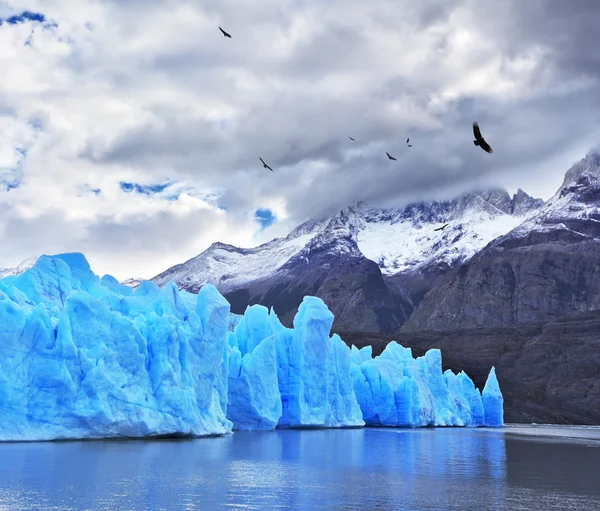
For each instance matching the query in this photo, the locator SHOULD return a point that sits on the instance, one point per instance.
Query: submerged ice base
(86, 357)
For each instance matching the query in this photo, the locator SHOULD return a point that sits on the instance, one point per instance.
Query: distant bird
(390, 157)
(409, 145)
(351, 139)
(479, 140)
(225, 33)
(265, 165)
(441, 228)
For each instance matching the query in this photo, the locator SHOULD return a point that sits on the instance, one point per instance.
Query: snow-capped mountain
(17, 270)
(545, 268)
(404, 240)
(574, 210)
(229, 267)
(400, 241)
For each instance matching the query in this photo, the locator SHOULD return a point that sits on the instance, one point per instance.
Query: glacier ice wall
(85, 357)
(254, 398)
(301, 377)
(394, 389)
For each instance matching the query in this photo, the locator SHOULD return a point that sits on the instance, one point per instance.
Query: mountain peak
(584, 173)
(522, 203)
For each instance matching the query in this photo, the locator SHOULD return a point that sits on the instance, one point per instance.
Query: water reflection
(365, 469)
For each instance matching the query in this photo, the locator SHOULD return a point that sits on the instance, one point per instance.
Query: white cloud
(116, 92)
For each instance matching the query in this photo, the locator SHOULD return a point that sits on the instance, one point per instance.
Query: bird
(265, 165)
(479, 140)
(225, 33)
(390, 157)
(441, 228)
(409, 145)
(351, 139)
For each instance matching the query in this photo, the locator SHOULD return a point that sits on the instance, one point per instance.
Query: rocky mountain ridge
(545, 268)
(371, 265)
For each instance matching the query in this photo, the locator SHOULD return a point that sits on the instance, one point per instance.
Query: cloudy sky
(131, 129)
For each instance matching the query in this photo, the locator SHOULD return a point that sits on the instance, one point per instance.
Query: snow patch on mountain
(229, 267)
(409, 246)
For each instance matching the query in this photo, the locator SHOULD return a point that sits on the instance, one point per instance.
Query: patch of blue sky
(151, 189)
(264, 217)
(23, 17)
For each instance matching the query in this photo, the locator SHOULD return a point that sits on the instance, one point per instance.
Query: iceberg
(83, 357)
(396, 390)
(87, 357)
(493, 402)
(281, 377)
(254, 401)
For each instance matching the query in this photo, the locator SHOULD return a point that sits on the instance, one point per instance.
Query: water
(366, 469)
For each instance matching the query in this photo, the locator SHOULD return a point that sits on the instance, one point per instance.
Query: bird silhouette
(225, 33)
(390, 156)
(441, 228)
(479, 140)
(409, 145)
(265, 165)
(351, 139)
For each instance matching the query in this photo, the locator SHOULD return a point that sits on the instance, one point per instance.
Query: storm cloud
(108, 93)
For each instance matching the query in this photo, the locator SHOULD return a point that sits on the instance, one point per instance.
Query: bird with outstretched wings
(225, 33)
(441, 228)
(390, 156)
(479, 140)
(351, 138)
(265, 165)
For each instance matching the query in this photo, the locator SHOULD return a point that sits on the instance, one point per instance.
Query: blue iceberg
(396, 390)
(254, 401)
(281, 377)
(493, 402)
(84, 357)
(87, 357)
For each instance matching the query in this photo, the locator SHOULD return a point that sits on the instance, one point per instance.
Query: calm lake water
(517, 468)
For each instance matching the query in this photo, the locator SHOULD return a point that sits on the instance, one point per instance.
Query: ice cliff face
(394, 389)
(82, 356)
(87, 357)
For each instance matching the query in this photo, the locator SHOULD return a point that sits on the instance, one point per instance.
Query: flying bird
(409, 145)
(225, 33)
(479, 140)
(390, 157)
(265, 165)
(441, 228)
(351, 139)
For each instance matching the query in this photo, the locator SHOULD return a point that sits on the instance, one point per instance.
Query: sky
(131, 130)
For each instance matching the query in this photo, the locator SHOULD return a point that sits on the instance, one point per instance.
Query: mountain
(545, 268)
(17, 270)
(372, 266)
